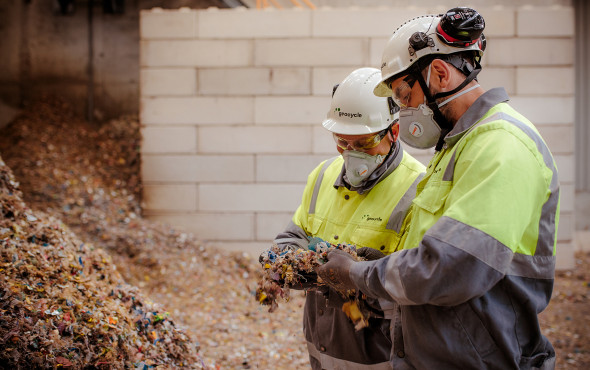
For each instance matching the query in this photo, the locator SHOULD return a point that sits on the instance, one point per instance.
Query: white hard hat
(458, 30)
(355, 110)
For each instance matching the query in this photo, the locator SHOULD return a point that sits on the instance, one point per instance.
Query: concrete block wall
(232, 101)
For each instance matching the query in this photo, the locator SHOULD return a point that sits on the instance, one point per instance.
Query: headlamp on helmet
(459, 30)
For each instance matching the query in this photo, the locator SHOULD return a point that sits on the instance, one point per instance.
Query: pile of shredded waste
(87, 177)
(63, 303)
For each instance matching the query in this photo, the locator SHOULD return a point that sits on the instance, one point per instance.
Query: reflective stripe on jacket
(479, 258)
(373, 219)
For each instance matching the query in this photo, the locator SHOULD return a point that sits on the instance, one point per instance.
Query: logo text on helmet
(347, 114)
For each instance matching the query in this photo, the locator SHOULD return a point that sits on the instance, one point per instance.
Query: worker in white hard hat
(360, 197)
(478, 260)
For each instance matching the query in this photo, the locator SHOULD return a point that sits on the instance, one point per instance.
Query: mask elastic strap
(458, 95)
(467, 80)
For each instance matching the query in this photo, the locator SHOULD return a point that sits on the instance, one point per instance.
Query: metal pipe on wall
(582, 114)
(90, 91)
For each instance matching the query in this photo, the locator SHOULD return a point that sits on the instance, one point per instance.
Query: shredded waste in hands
(289, 267)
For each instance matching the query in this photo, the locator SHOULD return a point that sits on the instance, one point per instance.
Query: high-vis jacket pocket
(385, 241)
(433, 197)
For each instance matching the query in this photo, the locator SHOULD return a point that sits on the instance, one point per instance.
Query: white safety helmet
(458, 30)
(355, 110)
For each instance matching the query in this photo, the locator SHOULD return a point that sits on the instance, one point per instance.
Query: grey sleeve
(454, 263)
(293, 235)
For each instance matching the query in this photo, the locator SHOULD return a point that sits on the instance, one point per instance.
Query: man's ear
(440, 75)
(394, 132)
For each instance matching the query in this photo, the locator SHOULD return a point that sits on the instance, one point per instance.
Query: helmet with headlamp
(456, 31)
(455, 37)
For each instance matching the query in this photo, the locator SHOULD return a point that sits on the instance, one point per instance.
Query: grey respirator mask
(418, 127)
(359, 166)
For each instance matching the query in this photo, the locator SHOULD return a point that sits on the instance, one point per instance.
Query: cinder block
(234, 81)
(290, 81)
(323, 143)
(324, 79)
(164, 139)
(216, 226)
(566, 226)
(286, 168)
(197, 110)
(566, 167)
(168, 81)
(250, 197)
(545, 81)
(498, 77)
(196, 53)
(500, 21)
(539, 110)
(272, 110)
(254, 139)
(167, 24)
(197, 168)
(241, 23)
(246, 247)
(170, 197)
(268, 225)
(565, 256)
(559, 138)
(361, 21)
(552, 21)
(254, 81)
(311, 52)
(530, 52)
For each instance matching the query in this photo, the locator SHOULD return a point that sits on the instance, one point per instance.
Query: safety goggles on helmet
(361, 144)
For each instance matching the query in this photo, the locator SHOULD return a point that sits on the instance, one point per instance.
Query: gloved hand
(308, 280)
(370, 254)
(313, 242)
(336, 272)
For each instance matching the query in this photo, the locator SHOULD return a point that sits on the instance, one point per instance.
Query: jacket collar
(475, 112)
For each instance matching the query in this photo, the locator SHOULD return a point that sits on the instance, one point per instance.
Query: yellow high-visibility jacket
(478, 261)
(376, 218)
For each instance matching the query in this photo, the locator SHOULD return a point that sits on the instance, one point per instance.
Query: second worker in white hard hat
(360, 197)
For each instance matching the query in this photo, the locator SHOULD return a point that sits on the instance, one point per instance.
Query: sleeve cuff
(357, 274)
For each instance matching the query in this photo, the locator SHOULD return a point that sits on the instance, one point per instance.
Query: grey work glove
(336, 272)
(370, 254)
